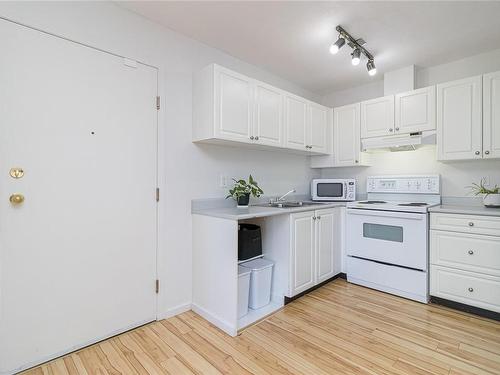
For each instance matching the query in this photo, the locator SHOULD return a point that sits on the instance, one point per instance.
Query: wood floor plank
(339, 328)
(262, 361)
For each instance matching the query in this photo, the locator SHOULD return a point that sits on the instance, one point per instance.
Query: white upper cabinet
(346, 140)
(459, 122)
(346, 135)
(268, 119)
(234, 101)
(416, 111)
(319, 128)
(230, 108)
(377, 117)
(491, 115)
(296, 122)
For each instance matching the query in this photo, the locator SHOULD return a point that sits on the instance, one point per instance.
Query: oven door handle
(402, 215)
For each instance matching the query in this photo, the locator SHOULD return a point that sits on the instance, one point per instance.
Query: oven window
(383, 232)
(330, 190)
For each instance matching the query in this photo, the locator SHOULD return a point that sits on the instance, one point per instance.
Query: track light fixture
(370, 66)
(357, 49)
(355, 57)
(334, 48)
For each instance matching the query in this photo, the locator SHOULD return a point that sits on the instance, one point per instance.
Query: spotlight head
(356, 57)
(370, 66)
(334, 48)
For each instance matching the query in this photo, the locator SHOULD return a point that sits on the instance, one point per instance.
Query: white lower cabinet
(315, 248)
(465, 259)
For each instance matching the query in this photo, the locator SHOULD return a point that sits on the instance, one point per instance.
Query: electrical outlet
(223, 181)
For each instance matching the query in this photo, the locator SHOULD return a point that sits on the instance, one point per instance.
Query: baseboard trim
(339, 275)
(174, 311)
(230, 330)
(466, 308)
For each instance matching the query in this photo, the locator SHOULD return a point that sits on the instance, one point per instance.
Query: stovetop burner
(372, 202)
(413, 204)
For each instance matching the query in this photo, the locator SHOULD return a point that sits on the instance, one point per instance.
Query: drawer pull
(471, 252)
(471, 290)
(471, 224)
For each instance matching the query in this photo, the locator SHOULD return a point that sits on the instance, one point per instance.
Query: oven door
(329, 191)
(398, 238)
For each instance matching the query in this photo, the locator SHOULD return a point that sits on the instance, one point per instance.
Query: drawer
(469, 252)
(466, 287)
(476, 224)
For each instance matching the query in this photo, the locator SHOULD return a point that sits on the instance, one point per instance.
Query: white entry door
(78, 256)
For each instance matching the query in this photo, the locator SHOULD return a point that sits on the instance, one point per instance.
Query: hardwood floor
(338, 329)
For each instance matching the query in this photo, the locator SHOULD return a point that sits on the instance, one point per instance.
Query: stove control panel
(404, 184)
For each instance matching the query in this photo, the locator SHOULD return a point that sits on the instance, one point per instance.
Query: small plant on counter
(491, 195)
(242, 190)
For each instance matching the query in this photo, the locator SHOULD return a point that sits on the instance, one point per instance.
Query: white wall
(467, 67)
(186, 170)
(355, 94)
(455, 175)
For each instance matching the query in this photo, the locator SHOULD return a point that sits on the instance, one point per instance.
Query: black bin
(249, 241)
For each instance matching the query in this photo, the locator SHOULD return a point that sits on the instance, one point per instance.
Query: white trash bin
(260, 282)
(243, 290)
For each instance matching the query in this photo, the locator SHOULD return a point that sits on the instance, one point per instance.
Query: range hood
(404, 142)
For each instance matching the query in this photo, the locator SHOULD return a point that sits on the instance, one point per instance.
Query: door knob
(477, 152)
(16, 199)
(487, 152)
(16, 172)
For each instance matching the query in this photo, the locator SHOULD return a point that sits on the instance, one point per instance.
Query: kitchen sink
(289, 204)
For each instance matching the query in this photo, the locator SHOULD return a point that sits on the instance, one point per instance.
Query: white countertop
(235, 213)
(469, 210)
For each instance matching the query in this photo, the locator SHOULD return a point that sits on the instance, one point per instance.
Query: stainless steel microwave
(327, 189)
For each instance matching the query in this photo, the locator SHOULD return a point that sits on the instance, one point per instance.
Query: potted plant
(242, 190)
(491, 196)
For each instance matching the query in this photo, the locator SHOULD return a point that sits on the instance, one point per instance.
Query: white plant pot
(491, 200)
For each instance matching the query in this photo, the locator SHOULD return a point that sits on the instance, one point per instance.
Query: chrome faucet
(284, 195)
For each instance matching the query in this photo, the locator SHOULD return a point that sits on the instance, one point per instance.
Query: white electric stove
(387, 234)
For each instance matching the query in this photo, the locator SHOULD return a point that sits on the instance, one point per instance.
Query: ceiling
(291, 39)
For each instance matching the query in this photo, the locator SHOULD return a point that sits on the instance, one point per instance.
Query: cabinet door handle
(471, 252)
(477, 152)
(356, 161)
(397, 129)
(314, 217)
(486, 152)
(319, 217)
(257, 138)
(471, 290)
(251, 137)
(391, 130)
(471, 224)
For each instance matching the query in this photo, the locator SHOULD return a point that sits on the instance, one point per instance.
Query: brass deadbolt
(16, 199)
(16, 172)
